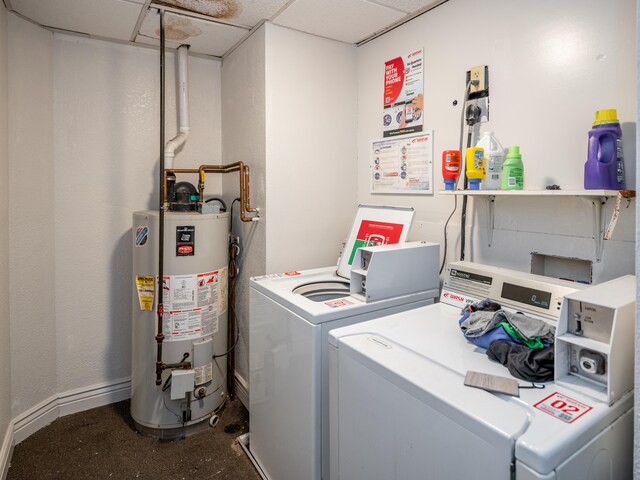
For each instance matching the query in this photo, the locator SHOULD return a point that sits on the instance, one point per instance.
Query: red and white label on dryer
(562, 407)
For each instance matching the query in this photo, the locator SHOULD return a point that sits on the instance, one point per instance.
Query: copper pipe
(247, 198)
(244, 185)
(245, 202)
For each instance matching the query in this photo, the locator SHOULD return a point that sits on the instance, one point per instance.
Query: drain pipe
(183, 106)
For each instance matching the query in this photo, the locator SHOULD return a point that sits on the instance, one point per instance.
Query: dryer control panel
(467, 282)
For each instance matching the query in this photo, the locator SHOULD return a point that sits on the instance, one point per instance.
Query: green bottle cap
(514, 151)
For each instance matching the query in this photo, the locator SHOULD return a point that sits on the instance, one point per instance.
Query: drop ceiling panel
(409, 6)
(105, 18)
(345, 20)
(204, 37)
(238, 12)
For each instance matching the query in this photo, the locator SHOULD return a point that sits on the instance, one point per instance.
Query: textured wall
(106, 116)
(243, 138)
(282, 93)
(311, 148)
(636, 440)
(5, 348)
(547, 77)
(31, 217)
(83, 148)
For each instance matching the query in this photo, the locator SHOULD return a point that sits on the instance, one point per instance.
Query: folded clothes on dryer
(496, 333)
(477, 322)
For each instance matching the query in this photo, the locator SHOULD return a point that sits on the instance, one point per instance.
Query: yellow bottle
(475, 167)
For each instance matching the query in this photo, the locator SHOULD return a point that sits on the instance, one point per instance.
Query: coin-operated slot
(386, 271)
(594, 347)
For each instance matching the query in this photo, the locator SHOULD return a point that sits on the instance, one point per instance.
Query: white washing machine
(399, 408)
(290, 317)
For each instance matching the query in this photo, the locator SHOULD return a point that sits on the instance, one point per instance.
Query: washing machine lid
(423, 352)
(374, 225)
(281, 288)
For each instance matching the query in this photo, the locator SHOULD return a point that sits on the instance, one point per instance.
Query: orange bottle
(450, 168)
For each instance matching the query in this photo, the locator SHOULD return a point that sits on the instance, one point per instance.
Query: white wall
(31, 217)
(551, 65)
(311, 149)
(83, 150)
(282, 91)
(106, 116)
(636, 441)
(5, 346)
(243, 139)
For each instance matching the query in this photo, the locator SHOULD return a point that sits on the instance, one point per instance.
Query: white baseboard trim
(6, 449)
(34, 419)
(242, 389)
(82, 399)
(66, 403)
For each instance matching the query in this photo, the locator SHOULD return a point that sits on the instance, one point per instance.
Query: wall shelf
(540, 193)
(596, 198)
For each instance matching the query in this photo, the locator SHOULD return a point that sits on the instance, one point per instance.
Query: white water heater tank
(195, 288)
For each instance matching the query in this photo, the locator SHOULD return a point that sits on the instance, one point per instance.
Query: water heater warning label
(179, 292)
(193, 303)
(144, 285)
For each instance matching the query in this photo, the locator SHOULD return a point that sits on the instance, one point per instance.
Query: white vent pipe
(183, 106)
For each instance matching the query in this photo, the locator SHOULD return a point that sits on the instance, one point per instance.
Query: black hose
(463, 218)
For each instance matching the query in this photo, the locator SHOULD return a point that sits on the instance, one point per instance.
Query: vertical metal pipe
(159, 334)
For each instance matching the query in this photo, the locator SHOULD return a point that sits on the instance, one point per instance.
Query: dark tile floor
(102, 444)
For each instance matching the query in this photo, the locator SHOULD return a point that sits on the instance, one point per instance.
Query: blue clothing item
(485, 340)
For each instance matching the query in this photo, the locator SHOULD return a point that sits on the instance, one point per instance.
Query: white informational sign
(192, 304)
(403, 110)
(402, 165)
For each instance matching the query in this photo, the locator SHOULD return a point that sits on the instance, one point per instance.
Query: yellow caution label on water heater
(145, 286)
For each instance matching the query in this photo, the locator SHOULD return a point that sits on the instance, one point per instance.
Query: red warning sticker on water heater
(562, 407)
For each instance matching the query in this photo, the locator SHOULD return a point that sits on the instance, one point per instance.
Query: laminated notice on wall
(204, 374)
(144, 284)
(403, 165)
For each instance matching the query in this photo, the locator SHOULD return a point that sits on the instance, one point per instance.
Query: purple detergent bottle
(604, 168)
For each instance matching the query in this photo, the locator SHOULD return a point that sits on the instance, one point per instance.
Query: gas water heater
(194, 324)
(180, 269)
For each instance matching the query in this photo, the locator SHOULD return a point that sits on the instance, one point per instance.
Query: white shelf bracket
(597, 204)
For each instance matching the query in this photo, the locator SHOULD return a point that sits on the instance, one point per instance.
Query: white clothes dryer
(399, 407)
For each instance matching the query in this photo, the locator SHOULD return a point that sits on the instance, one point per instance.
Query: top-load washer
(290, 317)
(399, 407)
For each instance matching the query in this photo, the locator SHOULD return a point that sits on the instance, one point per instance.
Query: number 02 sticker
(562, 407)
